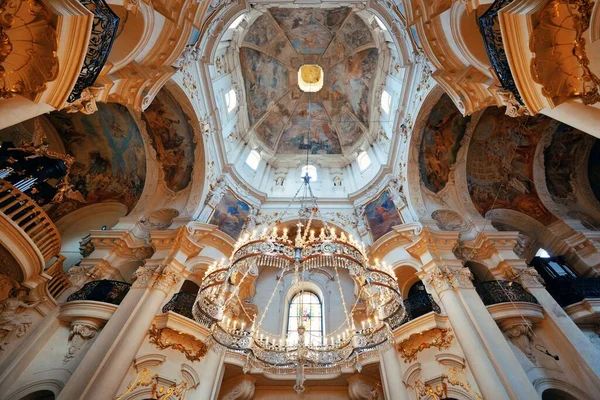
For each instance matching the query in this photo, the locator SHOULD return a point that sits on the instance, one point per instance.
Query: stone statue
(337, 181)
(279, 180)
(217, 192)
(13, 321)
(251, 220)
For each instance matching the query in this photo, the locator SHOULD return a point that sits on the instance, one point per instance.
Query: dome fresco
(280, 114)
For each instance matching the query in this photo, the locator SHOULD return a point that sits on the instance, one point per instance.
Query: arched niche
(480, 271)
(557, 394)
(40, 395)
(467, 36)
(407, 277)
(127, 269)
(189, 287)
(74, 226)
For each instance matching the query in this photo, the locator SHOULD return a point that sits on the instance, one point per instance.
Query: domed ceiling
(281, 115)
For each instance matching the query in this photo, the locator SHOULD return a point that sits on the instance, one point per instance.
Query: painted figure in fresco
(171, 138)
(442, 135)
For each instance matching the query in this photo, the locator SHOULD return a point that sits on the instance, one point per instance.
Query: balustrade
(567, 291)
(106, 291)
(30, 217)
(104, 32)
(60, 281)
(494, 47)
(182, 304)
(415, 306)
(495, 292)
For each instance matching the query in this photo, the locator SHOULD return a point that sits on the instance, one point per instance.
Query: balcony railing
(30, 217)
(495, 292)
(182, 304)
(104, 290)
(104, 32)
(415, 306)
(60, 281)
(567, 291)
(494, 47)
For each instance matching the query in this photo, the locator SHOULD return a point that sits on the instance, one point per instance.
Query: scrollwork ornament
(462, 278)
(438, 280)
(530, 278)
(143, 276)
(193, 349)
(166, 279)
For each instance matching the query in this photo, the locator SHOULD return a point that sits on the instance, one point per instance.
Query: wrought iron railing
(567, 291)
(182, 304)
(104, 32)
(495, 292)
(106, 291)
(415, 306)
(494, 47)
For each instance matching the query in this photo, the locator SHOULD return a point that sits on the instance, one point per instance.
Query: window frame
(306, 168)
(256, 154)
(321, 317)
(230, 96)
(361, 156)
(387, 106)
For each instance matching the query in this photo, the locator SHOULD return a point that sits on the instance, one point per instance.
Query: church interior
(299, 199)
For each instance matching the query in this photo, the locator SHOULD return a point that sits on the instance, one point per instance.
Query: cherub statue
(13, 321)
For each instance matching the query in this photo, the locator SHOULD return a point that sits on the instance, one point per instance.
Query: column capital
(430, 244)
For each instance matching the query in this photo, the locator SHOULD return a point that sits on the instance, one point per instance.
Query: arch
(190, 287)
(135, 30)
(407, 277)
(74, 226)
(558, 387)
(53, 386)
(40, 395)
(557, 394)
(480, 271)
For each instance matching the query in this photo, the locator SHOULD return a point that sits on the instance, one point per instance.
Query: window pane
(306, 308)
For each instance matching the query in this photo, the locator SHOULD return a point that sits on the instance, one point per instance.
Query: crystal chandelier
(218, 307)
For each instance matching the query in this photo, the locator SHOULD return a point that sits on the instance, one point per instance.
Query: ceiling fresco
(172, 137)
(110, 160)
(440, 142)
(594, 169)
(275, 46)
(500, 163)
(562, 158)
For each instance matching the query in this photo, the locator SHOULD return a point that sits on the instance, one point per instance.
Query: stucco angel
(13, 321)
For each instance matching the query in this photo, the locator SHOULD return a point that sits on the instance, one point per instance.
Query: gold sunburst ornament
(310, 78)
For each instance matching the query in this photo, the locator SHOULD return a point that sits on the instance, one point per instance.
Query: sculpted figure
(13, 321)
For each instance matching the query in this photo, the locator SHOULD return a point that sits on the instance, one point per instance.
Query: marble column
(391, 375)
(101, 371)
(574, 341)
(211, 377)
(507, 366)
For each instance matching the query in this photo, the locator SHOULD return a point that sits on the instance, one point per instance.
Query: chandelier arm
(348, 320)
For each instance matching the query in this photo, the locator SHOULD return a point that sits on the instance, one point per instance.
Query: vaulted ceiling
(287, 120)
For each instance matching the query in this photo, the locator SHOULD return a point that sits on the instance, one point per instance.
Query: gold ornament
(192, 348)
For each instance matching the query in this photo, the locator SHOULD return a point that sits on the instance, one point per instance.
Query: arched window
(306, 310)
(311, 170)
(230, 100)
